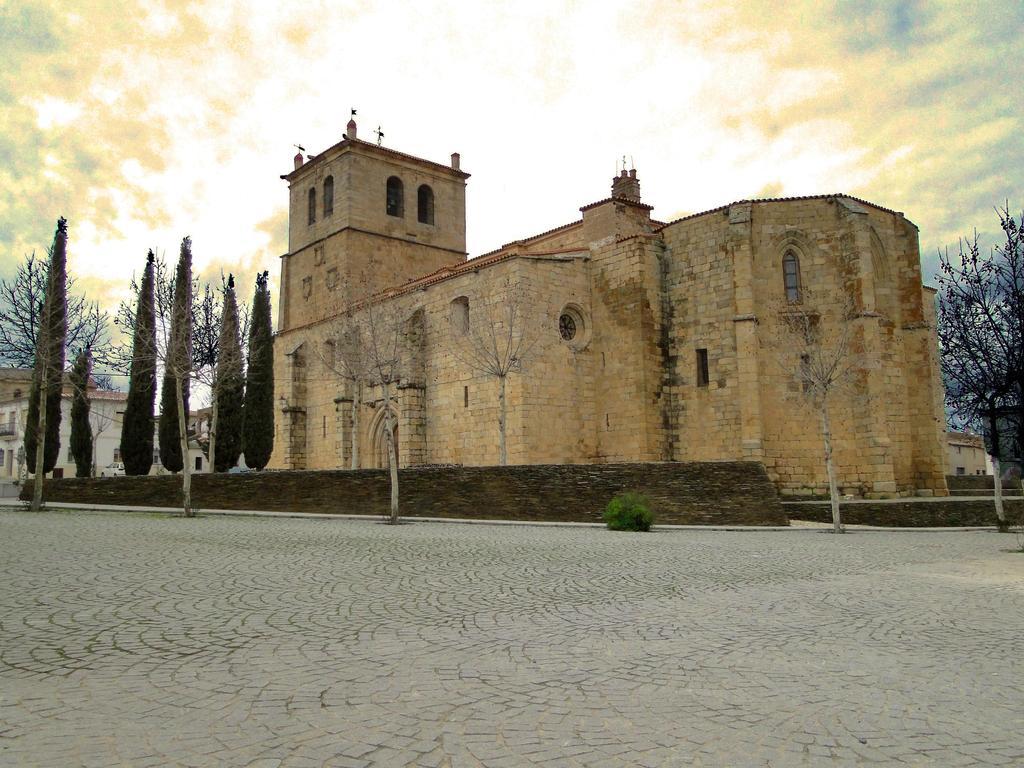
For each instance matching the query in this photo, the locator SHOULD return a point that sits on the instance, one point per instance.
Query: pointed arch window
(328, 196)
(791, 277)
(395, 197)
(312, 204)
(425, 204)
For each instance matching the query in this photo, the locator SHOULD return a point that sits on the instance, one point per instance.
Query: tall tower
(363, 217)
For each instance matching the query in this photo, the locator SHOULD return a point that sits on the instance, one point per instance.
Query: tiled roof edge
(787, 200)
(374, 147)
(613, 198)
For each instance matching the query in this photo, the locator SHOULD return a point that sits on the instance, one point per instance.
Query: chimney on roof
(456, 158)
(298, 160)
(626, 185)
(350, 129)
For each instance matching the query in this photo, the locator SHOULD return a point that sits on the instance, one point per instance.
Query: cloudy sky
(143, 120)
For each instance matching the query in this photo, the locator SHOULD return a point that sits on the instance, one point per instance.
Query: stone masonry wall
(950, 512)
(959, 484)
(724, 285)
(647, 300)
(680, 493)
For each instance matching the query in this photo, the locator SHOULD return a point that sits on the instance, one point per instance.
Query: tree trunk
(186, 470)
(212, 447)
(502, 419)
(833, 491)
(356, 403)
(389, 439)
(37, 487)
(997, 483)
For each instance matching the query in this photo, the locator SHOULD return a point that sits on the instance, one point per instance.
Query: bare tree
(384, 335)
(494, 337)
(206, 311)
(814, 341)
(173, 342)
(981, 337)
(100, 420)
(20, 299)
(349, 361)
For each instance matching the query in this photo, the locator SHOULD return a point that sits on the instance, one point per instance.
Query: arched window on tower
(425, 205)
(395, 197)
(312, 204)
(328, 196)
(791, 277)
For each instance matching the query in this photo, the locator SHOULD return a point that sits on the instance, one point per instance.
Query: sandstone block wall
(724, 284)
(648, 300)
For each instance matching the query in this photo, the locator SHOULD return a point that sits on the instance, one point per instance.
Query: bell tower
(362, 218)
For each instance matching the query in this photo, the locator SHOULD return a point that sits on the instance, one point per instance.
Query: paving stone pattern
(145, 640)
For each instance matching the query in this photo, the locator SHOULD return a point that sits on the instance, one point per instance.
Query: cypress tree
(81, 430)
(137, 427)
(52, 332)
(258, 416)
(177, 363)
(229, 385)
(32, 419)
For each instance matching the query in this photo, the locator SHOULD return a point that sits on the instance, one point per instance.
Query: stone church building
(652, 343)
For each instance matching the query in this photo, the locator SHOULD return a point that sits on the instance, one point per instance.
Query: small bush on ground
(629, 512)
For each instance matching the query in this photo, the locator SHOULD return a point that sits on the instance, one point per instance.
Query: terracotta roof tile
(623, 200)
(785, 200)
(383, 150)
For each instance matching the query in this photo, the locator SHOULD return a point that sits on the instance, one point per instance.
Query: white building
(104, 416)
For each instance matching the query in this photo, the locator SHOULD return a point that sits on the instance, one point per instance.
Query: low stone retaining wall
(948, 512)
(684, 493)
(978, 484)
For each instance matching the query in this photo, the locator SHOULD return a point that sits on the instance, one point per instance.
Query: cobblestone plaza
(147, 640)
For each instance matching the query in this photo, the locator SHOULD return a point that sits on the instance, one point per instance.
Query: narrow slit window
(328, 196)
(465, 397)
(791, 277)
(702, 367)
(312, 204)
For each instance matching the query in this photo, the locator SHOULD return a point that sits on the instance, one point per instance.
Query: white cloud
(185, 119)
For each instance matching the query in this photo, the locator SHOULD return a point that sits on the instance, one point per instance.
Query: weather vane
(380, 135)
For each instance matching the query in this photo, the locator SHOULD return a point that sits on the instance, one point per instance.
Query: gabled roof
(622, 200)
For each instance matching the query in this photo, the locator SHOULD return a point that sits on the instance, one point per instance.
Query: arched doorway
(378, 438)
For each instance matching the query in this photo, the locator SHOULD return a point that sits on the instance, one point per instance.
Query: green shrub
(629, 512)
